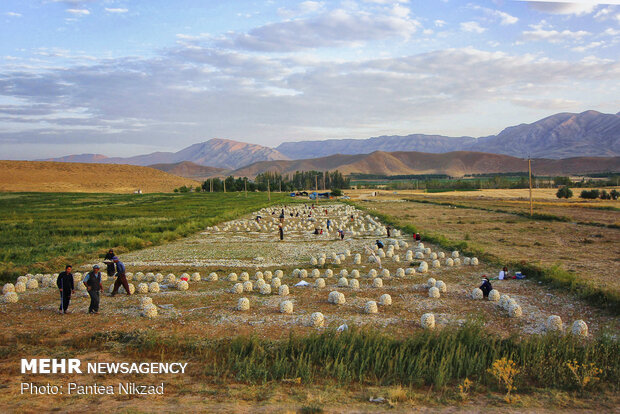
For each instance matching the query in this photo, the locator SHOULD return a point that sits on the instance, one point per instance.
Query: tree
(614, 194)
(564, 192)
(591, 194)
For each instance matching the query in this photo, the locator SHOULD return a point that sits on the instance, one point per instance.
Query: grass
(368, 357)
(554, 275)
(40, 232)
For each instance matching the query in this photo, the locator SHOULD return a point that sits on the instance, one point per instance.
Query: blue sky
(129, 77)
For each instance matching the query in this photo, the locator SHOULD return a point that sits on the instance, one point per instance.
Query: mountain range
(563, 135)
(455, 164)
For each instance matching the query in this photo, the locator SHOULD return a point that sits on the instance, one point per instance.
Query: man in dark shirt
(486, 287)
(109, 263)
(121, 279)
(66, 288)
(92, 281)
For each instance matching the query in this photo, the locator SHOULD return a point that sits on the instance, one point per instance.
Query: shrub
(590, 194)
(564, 192)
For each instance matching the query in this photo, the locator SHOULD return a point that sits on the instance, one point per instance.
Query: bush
(614, 194)
(337, 192)
(564, 192)
(590, 194)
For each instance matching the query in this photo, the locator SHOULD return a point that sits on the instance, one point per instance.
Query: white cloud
(78, 12)
(473, 27)
(505, 18)
(116, 10)
(331, 29)
(13, 14)
(554, 36)
(440, 23)
(592, 45)
(304, 8)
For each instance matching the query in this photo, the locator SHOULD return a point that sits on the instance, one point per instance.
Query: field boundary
(551, 275)
(535, 216)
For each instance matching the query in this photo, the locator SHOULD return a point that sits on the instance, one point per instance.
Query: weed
(584, 374)
(505, 371)
(464, 389)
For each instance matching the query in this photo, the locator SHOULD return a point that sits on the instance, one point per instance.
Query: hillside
(222, 153)
(191, 170)
(562, 135)
(87, 178)
(455, 164)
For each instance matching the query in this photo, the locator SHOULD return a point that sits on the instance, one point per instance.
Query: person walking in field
(389, 231)
(281, 231)
(92, 281)
(329, 223)
(65, 287)
(121, 279)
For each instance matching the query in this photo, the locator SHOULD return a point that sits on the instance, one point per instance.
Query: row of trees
(566, 192)
(301, 180)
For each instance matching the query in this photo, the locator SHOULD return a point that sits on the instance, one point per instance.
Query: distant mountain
(191, 170)
(455, 164)
(562, 135)
(415, 142)
(221, 153)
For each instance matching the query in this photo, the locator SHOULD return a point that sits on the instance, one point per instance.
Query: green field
(40, 232)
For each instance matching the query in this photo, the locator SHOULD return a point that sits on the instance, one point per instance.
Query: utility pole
(245, 186)
(268, 190)
(529, 167)
(316, 184)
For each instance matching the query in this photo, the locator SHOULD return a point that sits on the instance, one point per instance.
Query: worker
(92, 281)
(389, 231)
(281, 231)
(121, 279)
(65, 287)
(485, 287)
(109, 263)
(503, 274)
(380, 244)
(329, 223)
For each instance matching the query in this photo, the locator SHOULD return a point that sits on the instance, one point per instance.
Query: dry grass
(85, 178)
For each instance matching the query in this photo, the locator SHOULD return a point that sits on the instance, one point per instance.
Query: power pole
(245, 186)
(268, 190)
(316, 184)
(529, 167)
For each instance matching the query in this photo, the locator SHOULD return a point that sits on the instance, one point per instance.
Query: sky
(123, 77)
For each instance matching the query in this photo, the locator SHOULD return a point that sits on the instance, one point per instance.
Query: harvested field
(206, 312)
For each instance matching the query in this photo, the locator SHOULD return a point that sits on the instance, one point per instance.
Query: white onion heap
(248, 286)
(143, 288)
(316, 320)
(145, 301)
(196, 277)
(428, 321)
(283, 290)
(371, 307)
(243, 304)
(9, 287)
(10, 297)
(494, 295)
(385, 300)
(286, 306)
(182, 285)
(153, 287)
(275, 283)
(212, 277)
(343, 282)
(514, 311)
(477, 294)
(170, 279)
(354, 284)
(32, 284)
(441, 286)
(149, 311)
(264, 289)
(433, 293)
(319, 283)
(377, 282)
(554, 324)
(580, 328)
(336, 298)
(20, 287)
(237, 288)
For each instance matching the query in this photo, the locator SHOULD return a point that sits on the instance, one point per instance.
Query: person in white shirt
(503, 273)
